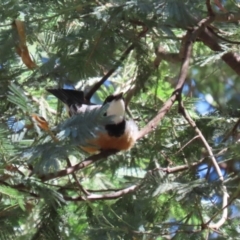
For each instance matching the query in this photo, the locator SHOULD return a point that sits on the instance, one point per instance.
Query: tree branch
(109, 196)
(161, 54)
(187, 50)
(81, 188)
(178, 168)
(209, 8)
(185, 114)
(227, 17)
(111, 71)
(168, 104)
(210, 39)
(88, 161)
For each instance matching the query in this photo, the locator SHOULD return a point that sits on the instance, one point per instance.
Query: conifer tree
(177, 63)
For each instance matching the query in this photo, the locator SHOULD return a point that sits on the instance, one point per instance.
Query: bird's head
(116, 107)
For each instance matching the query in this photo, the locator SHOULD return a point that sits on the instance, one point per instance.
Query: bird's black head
(115, 97)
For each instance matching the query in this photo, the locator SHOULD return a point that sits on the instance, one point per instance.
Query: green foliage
(49, 226)
(78, 42)
(7, 149)
(18, 98)
(14, 195)
(9, 220)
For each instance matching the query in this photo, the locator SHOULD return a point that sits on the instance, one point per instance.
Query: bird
(120, 135)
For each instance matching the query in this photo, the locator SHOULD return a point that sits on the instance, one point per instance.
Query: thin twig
(197, 130)
(185, 145)
(90, 197)
(215, 164)
(50, 110)
(168, 160)
(81, 188)
(109, 196)
(178, 168)
(230, 133)
(111, 71)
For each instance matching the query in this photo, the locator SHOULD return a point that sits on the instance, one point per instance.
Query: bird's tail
(68, 96)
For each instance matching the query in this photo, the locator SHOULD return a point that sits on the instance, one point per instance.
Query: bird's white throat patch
(117, 110)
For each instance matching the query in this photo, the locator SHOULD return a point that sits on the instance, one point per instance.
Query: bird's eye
(105, 114)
